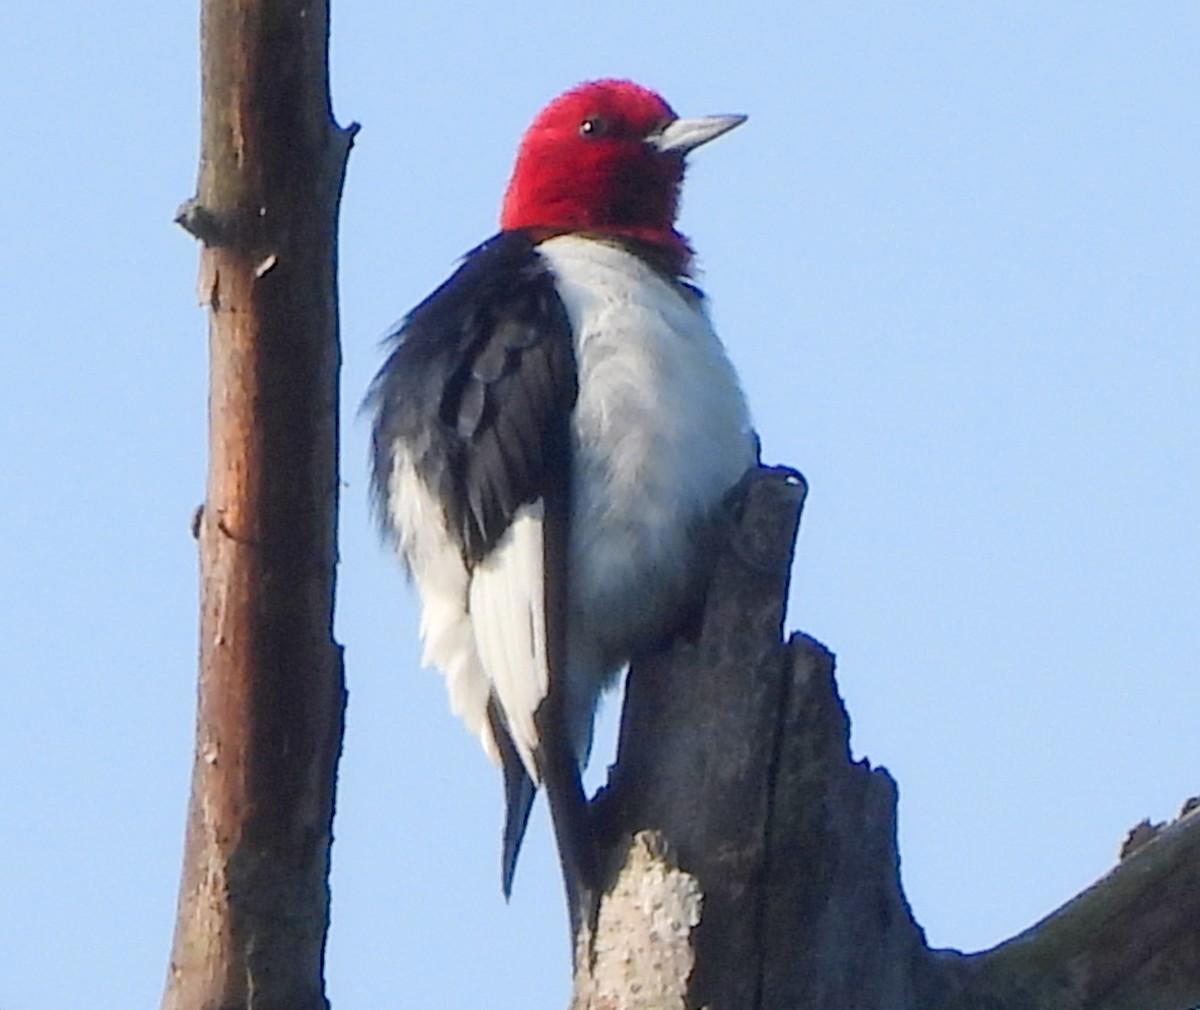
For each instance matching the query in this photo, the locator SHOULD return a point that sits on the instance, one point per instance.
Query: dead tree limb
(253, 903)
(759, 868)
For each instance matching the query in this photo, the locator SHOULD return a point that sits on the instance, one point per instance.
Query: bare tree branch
(253, 904)
(734, 758)
(1131, 941)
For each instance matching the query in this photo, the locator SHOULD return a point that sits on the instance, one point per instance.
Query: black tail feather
(519, 792)
(572, 828)
(557, 761)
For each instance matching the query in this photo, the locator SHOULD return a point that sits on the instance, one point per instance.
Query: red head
(607, 157)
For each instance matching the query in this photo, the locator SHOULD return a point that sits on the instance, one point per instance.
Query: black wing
(478, 388)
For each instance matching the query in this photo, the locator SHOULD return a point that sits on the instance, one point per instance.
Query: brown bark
(253, 904)
(760, 869)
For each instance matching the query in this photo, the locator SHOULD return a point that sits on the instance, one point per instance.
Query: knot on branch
(201, 223)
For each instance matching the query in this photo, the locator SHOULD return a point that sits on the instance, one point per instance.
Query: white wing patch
(436, 564)
(485, 630)
(508, 613)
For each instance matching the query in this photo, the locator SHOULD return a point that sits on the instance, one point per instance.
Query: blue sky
(955, 254)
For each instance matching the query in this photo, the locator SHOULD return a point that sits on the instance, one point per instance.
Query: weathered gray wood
(695, 752)
(1131, 941)
(837, 930)
(734, 786)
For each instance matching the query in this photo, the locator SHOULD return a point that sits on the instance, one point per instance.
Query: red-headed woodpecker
(554, 430)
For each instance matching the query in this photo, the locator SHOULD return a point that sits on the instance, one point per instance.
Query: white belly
(661, 433)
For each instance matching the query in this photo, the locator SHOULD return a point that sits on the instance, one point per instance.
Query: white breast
(661, 433)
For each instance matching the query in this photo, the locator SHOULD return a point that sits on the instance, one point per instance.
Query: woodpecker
(554, 429)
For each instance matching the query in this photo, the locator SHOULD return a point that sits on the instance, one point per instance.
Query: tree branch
(734, 756)
(253, 904)
(1131, 941)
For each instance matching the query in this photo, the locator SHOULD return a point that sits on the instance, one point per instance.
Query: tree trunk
(754, 864)
(254, 899)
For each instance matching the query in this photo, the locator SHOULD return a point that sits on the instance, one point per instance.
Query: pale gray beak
(683, 135)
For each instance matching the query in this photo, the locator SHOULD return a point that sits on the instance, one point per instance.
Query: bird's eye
(593, 126)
